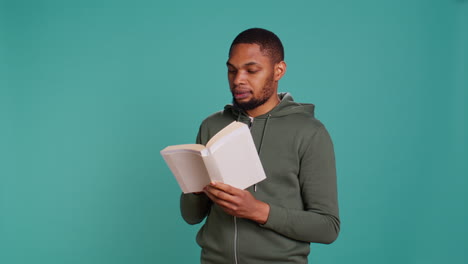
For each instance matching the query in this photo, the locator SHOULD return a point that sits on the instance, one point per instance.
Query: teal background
(91, 91)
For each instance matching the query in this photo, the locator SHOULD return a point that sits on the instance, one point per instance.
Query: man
(275, 220)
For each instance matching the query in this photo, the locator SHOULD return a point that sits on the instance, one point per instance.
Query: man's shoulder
(302, 120)
(215, 122)
(296, 114)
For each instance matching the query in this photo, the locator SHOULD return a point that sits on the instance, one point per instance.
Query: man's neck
(264, 108)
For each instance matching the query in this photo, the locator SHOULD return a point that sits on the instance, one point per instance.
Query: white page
(191, 165)
(237, 159)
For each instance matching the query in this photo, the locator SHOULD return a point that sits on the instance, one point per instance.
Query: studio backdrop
(91, 91)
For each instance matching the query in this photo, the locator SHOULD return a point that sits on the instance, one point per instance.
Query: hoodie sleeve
(319, 221)
(195, 207)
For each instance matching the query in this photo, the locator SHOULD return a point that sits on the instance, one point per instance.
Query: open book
(229, 157)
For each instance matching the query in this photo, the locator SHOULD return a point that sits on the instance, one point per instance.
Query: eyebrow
(247, 64)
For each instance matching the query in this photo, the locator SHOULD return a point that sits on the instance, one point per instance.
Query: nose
(239, 78)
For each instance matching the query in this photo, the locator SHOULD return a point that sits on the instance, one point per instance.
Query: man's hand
(237, 202)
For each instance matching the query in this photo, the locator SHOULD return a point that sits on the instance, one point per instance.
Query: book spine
(213, 169)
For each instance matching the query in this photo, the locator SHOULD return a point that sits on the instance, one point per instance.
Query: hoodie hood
(287, 106)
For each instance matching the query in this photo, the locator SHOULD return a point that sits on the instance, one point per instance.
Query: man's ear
(280, 70)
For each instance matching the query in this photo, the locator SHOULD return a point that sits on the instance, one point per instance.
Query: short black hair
(269, 43)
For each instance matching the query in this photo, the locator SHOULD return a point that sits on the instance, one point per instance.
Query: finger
(226, 205)
(218, 193)
(225, 188)
(212, 197)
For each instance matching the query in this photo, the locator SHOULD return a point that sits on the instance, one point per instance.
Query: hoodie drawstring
(261, 142)
(263, 134)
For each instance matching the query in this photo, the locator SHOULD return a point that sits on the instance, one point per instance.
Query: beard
(266, 93)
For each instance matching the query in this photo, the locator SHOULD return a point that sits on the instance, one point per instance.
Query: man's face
(251, 76)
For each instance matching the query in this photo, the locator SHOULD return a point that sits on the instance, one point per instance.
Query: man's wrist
(262, 213)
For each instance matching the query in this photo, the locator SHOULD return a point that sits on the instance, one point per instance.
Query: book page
(188, 169)
(237, 159)
(224, 132)
(183, 147)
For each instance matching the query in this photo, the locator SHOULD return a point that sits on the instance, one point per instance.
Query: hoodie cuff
(277, 217)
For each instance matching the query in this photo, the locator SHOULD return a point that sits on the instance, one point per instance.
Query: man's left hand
(237, 202)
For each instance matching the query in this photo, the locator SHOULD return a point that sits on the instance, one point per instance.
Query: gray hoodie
(297, 154)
